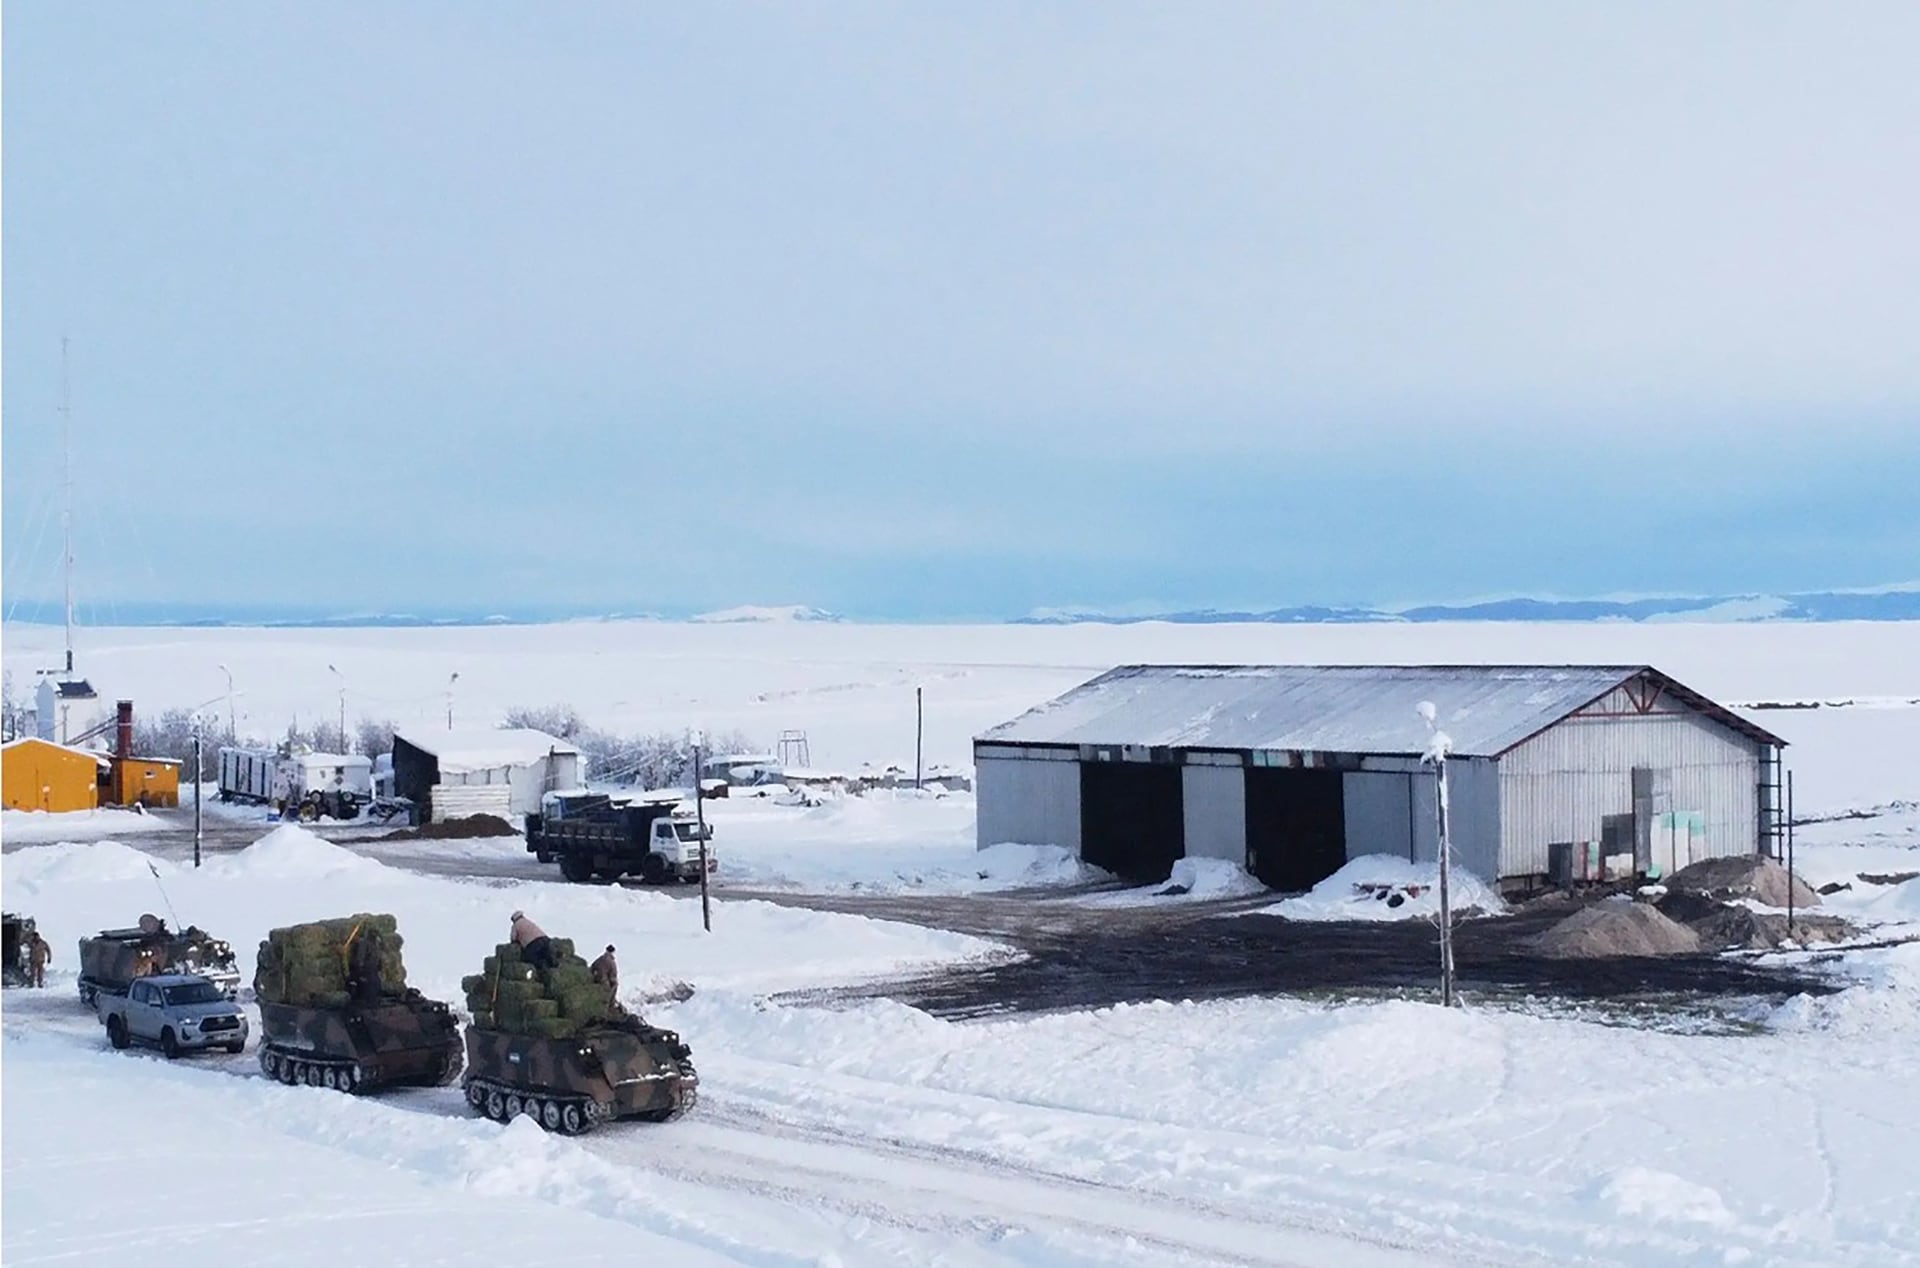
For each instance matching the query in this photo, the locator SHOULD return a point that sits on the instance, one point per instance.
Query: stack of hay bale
(306, 965)
(517, 997)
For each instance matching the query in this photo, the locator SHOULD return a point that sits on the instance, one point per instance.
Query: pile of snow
(1617, 926)
(47, 866)
(291, 853)
(1743, 876)
(1211, 878)
(1010, 866)
(1384, 887)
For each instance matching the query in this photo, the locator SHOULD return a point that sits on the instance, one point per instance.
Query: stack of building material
(513, 995)
(306, 965)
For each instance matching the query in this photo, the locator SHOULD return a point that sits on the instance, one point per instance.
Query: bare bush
(374, 737)
(562, 720)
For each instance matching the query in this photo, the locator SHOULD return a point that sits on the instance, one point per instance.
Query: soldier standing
(363, 966)
(532, 941)
(38, 953)
(606, 972)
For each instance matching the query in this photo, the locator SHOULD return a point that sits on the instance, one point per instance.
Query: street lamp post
(233, 730)
(451, 679)
(343, 707)
(1439, 745)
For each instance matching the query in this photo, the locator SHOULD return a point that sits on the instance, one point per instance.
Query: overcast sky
(916, 311)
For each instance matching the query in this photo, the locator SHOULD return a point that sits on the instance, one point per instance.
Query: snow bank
(1192, 880)
(1212, 878)
(1011, 866)
(20, 826)
(292, 853)
(78, 864)
(1384, 887)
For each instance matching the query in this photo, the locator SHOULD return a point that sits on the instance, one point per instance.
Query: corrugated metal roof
(1372, 709)
(471, 750)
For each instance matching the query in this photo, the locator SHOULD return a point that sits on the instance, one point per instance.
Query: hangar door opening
(1131, 819)
(1296, 826)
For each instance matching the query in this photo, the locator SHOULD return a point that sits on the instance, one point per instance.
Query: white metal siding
(1214, 801)
(1379, 811)
(1029, 800)
(1558, 785)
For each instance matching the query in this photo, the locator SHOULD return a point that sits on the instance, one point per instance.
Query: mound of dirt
(1733, 927)
(464, 828)
(1613, 928)
(1742, 876)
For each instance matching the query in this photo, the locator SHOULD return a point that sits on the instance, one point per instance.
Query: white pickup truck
(175, 1012)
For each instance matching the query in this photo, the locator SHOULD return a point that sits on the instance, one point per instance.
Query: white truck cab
(675, 842)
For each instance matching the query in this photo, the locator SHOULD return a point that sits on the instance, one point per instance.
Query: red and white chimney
(123, 731)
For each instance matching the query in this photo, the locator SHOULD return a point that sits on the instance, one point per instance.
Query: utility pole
(1789, 851)
(343, 708)
(199, 778)
(919, 731)
(700, 817)
(233, 731)
(66, 504)
(1436, 754)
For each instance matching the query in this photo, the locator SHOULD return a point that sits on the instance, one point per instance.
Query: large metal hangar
(1291, 770)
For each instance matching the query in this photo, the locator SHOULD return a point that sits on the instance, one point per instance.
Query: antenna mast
(66, 504)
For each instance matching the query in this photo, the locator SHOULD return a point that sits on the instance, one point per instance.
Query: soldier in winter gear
(363, 966)
(532, 941)
(606, 972)
(38, 953)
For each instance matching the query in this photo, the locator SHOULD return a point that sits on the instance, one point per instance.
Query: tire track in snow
(931, 1190)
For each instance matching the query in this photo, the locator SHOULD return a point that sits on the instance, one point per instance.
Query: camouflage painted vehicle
(336, 1010)
(113, 958)
(404, 1040)
(16, 931)
(620, 1068)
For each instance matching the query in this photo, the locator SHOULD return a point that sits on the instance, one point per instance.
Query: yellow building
(37, 775)
(157, 777)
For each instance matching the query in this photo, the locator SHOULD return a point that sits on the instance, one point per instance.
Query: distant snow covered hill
(750, 614)
(1886, 604)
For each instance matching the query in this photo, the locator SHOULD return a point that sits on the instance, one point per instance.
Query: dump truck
(549, 1042)
(596, 837)
(16, 931)
(336, 1010)
(111, 960)
(176, 1013)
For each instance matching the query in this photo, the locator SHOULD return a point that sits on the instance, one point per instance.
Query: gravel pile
(1614, 928)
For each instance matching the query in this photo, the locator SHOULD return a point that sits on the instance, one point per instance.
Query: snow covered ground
(851, 687)
(1236, 1132)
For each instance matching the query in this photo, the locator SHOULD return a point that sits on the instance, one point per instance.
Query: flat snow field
(851, 687)
(1253, 1131)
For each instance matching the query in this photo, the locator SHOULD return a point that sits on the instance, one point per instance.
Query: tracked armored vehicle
(336, 1012)
(555, 1045)
(609, 1070)
(16, 932)
(113, 958)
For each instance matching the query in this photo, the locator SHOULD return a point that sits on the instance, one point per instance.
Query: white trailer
(338, 785)
(247, 774)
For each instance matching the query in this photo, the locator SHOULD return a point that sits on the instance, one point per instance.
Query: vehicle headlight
(188, 1023)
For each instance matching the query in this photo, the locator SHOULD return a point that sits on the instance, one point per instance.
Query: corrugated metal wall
(1214, 802)
(1030, 799)
(1474, 796)
(1380, 813)
(1558, 785)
